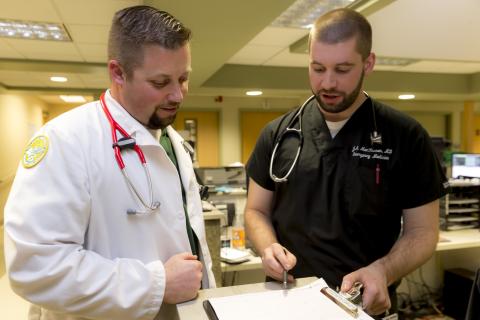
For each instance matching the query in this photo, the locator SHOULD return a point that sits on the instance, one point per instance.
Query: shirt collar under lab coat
(142, 135)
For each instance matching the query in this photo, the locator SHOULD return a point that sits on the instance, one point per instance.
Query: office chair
(473, 309)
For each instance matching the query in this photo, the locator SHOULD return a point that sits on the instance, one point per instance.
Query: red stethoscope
(127, 142)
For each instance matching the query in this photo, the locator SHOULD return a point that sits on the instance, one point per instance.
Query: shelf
(461, 219)
(460, 208)
(463, 201)
(463, 210)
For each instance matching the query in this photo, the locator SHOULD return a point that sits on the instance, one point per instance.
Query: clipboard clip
(354, 295)
(341, 301)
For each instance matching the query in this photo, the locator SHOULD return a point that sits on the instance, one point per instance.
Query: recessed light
(73, 99)
(254, 93)
(58, 79)
(406, 96)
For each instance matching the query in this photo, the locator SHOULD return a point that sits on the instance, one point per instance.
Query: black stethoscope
(127, 142)
(375, 138)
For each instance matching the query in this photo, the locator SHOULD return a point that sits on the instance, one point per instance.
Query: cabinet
(460, 208)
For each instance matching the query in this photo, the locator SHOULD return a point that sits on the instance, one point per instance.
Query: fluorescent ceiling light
(73, 99)
(388, 61)
(303, 13)
(58, 79)
(408, 96)
(254, 93)
(33, 30)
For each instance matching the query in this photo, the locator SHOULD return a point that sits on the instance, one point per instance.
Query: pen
(285, 274)
(285, 279)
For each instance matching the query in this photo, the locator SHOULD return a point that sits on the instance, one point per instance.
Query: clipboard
(299, 303)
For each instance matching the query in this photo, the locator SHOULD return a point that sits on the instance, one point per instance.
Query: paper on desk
(304, 303)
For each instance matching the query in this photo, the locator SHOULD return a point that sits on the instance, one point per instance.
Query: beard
(156, 122)
(348, 99)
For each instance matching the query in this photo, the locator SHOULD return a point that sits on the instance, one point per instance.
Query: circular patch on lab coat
(35, 151)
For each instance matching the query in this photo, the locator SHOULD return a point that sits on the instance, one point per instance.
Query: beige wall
(20, 117)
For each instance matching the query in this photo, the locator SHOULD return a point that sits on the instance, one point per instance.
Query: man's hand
(183, 277)
(375, 293)
(276, 259)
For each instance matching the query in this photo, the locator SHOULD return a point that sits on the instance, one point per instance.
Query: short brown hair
(137, 26)
(340, 25)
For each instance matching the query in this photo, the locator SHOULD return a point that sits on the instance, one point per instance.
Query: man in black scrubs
(362, 167)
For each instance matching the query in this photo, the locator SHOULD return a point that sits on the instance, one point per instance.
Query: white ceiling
(441, 34)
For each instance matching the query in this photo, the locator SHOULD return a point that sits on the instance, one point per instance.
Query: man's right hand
(276, 259)
(183, 278)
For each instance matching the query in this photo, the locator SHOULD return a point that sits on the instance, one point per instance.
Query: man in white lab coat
(84, 240)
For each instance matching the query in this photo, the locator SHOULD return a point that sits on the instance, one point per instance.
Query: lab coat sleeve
(46, 218)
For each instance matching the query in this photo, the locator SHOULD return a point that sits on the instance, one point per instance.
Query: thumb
(347, 283)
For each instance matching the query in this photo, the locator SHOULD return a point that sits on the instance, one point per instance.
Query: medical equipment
(375, 139)
(127, 142)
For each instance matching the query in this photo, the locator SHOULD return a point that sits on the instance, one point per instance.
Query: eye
(343, 69)
(319, 70)
(159, 84)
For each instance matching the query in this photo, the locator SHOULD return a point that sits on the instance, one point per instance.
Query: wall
(20, 117)
(230, 121)
(207, 132)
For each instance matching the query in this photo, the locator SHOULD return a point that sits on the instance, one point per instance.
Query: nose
(177, 93)
(329, 81)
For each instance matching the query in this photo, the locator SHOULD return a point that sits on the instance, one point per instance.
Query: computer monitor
(466, 165)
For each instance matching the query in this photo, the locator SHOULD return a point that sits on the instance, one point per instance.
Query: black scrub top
(342, 204)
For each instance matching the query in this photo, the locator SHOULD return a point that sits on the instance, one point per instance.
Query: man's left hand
(375, 290)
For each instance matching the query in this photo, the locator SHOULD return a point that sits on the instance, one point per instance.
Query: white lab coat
(71, 249)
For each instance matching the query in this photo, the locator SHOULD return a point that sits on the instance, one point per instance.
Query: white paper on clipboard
(300, 303)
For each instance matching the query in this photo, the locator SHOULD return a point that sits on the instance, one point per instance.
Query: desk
(193, 310)
(460, 239)
(449, 240)
(254, 263)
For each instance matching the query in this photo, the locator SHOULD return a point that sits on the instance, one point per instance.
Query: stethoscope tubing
(280, 138)
(118, 156)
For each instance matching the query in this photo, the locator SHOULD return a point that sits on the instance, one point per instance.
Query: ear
(369, 63)
(117, 75)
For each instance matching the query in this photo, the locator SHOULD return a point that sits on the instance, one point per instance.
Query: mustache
(329, 92)
(169, 105)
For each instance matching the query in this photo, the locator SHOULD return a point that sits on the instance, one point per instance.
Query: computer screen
(466, 165)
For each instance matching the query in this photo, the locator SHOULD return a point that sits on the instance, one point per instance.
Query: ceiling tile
(91, 11)
(428, 29)
(39, 79)
(97, 80)
(275, 36)
(46, 50)
(88, 33)
(254, 54)
(7, 51)
(442, 67)
(36, 10)
(287, 59)
(93, 52)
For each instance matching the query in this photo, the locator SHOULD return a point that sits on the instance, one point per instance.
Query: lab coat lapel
(141, 135)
